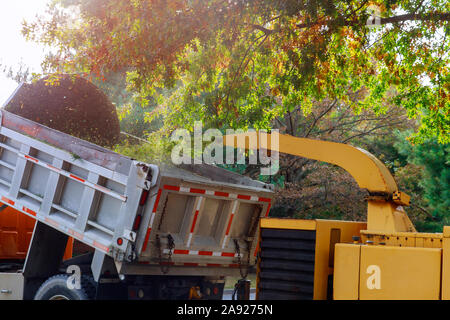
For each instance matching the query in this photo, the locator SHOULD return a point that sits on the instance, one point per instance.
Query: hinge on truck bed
(165, 265)
(243, 273)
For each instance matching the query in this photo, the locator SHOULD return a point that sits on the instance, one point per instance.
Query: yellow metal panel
(446, 264)
(403, 239)
(446, 232)
(406, 241)
(428, 240)
(387, 217)
(296, 224)
(432, 243)
(419, 243)
(346, 272)
(391, 273)
(324, 246)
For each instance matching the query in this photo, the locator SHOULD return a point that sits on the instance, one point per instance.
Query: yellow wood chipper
(383, 258)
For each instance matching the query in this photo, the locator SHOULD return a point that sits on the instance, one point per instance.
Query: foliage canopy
(434, 183)
(311, 68)
(240, 63)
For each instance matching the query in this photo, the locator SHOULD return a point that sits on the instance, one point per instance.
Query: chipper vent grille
(286, 264)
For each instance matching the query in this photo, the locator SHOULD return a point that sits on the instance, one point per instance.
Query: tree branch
(424, 211)
(265, 30)
(319, 117)
(438, 16)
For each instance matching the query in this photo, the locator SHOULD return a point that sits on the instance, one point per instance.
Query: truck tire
(55, 288)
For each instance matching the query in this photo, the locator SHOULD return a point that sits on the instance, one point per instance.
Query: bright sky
(14, 48)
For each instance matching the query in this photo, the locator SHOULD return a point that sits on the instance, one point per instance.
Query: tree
(433, 160)
(133, 112)
(318, 189)
(311, 68)
(242, 63)
(335, 121)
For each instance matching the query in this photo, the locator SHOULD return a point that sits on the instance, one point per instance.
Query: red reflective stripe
(157, 200)
(180, 251)
(174, 188)
(203, 253)
(53, 223)
(144, 197)
(8, 201)
(268, 209)
(193, 264)
(257, 248)
(221, 194)
(216, 193)
(52, 167)
(100, 246)
(213, 265)
(32, 159)
(227, 254)
(229, 224)
(76, 234)
(105, 190)
(147, 235)
(29, 211)
(201, 191)
(137, 222)
(190, 264)
(194, 221)
(77, 178)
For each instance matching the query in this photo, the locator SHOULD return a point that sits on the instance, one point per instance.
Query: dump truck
(154, 231)
(381, 258)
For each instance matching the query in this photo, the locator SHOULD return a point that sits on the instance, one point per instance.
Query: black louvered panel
(286, 265)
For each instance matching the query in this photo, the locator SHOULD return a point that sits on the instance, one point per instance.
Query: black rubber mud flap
(44, 257)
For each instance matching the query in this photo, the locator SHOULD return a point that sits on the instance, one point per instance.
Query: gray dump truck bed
(150, 219)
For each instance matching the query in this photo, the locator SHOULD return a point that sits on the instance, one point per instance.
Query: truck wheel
(55, 288)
